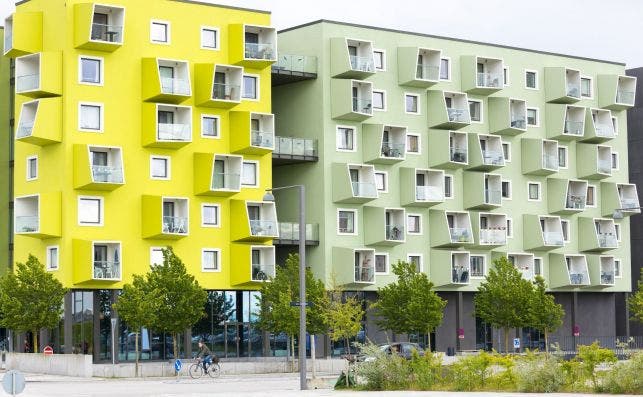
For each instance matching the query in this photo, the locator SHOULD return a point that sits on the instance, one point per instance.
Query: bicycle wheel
(214, 370)
(195, 371)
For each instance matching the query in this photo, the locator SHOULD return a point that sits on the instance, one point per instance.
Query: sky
(603, 29)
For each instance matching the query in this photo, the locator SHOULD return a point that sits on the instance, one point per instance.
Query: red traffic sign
(48, 351)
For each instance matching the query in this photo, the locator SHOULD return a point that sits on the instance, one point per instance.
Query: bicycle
(213, 369)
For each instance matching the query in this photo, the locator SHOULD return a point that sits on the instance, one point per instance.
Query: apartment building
(140, 125)
(449, 154)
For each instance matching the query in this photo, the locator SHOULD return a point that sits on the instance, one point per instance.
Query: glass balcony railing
(395, 232)
(108, 33)
(427, 72)
(260, 51)
(493, 157)
(363, 64)
(364, 274)
(578, 278)
(460, 235)
(574, 127)
(8, 42)
(626, 97)
(107, 269)
(460, 274)
(520, 123)
(226, 181)
(526, 271)
(606, 240)
(261, 272)
(290, 231)
(24, 129)
(493, 197)
(295, 146)
(26, 224)
(607, 278)
(262, 139)
(604, 130)
(428, 193)
(364, 189)
(628, 203)
(575, 202)
(393, 150)
(573, 90)
(493, 236)
(296, 63)
(550, 161)
(604, 166)
(260, 227)
(175, 86)
(553, 238)
(107, 174)
(28, 82)
(175, 224)
(362, 105)
(458, 154)
(458, 115)
(226, 92)
(174, 132)
(489, 80)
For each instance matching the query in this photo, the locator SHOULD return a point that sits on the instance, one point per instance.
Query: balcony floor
(281, 76)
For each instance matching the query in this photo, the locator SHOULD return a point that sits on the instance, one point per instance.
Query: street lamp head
(268, 196)
(618, 214)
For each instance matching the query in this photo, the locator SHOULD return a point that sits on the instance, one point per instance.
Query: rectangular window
(615, 124)
(249, 173)
(566, 231)
(156, 256)
(346, 138)
(533, 191)
(590, 200)
(210, 259)
(414, 223)
(379, 100)
(346, 222)
(52, 258)
(160, 32)
(381, 263)
(413, 143)
(250, 87)
(505, 76)
(209, 215)
(209, 126)
(209, 38)
(617, 229)
(381, 181)
(477, 265)
(448, 186)
(412, 103)
(445, 69)
(475, 110)
(532, 117)
(506, 190)
(90, 117)
(416, 259)
(586, 87)
(90, 211)
(617, 268)
(379, 58)
(32, 168)
(531, 79)
(510, 228)
(615, 161)
(506, 151)
(538, 266)
(91, 70)
(159, 167)
(562, 156)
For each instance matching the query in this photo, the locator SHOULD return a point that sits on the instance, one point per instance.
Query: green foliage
(636, 301)
(343, 315)
(30, 299)
(504, 377)
(471, 372)
(409, 305)
(426, 371)
(545, 314)
(539, 374)
(625, 377)
(382, 371)
(591, 356)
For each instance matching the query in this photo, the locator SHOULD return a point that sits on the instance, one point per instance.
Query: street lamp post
(302, 277)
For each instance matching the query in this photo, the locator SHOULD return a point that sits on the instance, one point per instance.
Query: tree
(544, 313)
(137, 308)
(636, 301)
(410, 304)
(503, 299)
(343, 315)
(179, 296)
(30, 299)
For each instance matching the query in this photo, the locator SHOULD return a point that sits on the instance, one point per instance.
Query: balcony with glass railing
(106, 270)
(174, 132)
(263, 139)
(460, 235)
(175, 224)
(175, 86)
(458, 115)
(493, 197)
(361, 105)
(260, 227)
(364, 189)
(395, 232)
(428, 193)
(393, 150)
(629, 203)
(362, 64)
(606, 240)
(427, 72)
(489, 80)
(553, 238)
(604, 166)
(493, 157)
(27, 82)
(458, 154)
(289, 148)
(550, 161)
(573, 127)
(107, 33)
(459, 274)
(626, 97)
(226, 181)
(24, 129)
(265, 51)
(26, 224)
(302, 64)
(226, 92)
(518, 122)
(107, 174)
(573, 90)
(493, 236)
(8, 41)
(289, 233)
(262, 271)
(576, 201)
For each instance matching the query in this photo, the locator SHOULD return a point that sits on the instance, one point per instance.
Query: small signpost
(460, 333)
(48, 351)
(297, 304)
(177, 368)
(516, 343)
(13, 382)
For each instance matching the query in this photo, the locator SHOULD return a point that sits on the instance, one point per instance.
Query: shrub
(625, 377)
(382, 371)
(471, 373)
(539, 374)
(426, 371)
(591, 356)
(503, 375)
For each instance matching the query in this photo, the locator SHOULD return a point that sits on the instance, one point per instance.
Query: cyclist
(204, 353)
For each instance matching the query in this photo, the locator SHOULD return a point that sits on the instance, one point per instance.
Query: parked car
(403, 349)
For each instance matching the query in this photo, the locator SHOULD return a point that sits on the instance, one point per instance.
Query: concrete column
(96, 327)
(68, 323)
(187, 342)
(43, 339)
(114, 338)
(458, 319)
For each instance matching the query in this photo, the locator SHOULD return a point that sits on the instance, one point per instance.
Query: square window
(381, 263)
(562, 156)
(414, 223)
(445, 69)
(91, 70)
(159, 167)
(586, 87)
(209, 215)
(379, 100)
(566, 231)
(249, 173)
(413, 143)
(90, 117)
(156, 256)
(32, 168)
(379, 57)
(590, 200)
(210, 260)
(614, 160)
(448, 186)
(506, 151)
(346, 138)
(209, 38)
(477, 265)
(250, 87)
(506, 190)
(617, 268)
(475, 111)
(90, 211)
(532, 117)
(531, 79)
(412, 103)
(209, 126)
(533, 191)
(510, 229)
(346, 222)
(381, 181)
(52, 258)
(416, 259)
(160, 32)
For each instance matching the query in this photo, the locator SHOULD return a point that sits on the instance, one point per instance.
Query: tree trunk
(35, 342)
(348, 363)
(546, 341)
(506, 340)
(292, 351)
(428, 342)
(175, 345)
(136, 354)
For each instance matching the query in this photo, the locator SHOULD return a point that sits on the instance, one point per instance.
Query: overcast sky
(604, 29)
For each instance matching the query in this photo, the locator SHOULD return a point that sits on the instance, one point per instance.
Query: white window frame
(542, 270)
(383, 69)
(211, 116)
(420, 223)
(101, 117)
(537, 79)
(540, 192)
(564, 222)
(388, 264)
(566, 150)
(450, 178)
(168, 32)
(101, 214)
(218, 209)
(619, 267)
(48, 258)
(537, 116)
(257, 78)
(348, 127)
(591, 87)
(217, 36)
(448, 59)
(101, 76)
(508, 144)
(385, 173)
(510, 228)
(217, 252)
(29, 177)
(419, 104)
(617, 229)
(355, 222)
(616, 157)
(168, 162)
(594, 196)
(384, 107)
(421, 256)
(508, 181)
(419, 138)
(505, 74)
(484, 266)
(152, 249)
(257, 173)
(481, 111)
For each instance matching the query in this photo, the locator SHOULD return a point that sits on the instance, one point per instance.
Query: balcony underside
(281, 76)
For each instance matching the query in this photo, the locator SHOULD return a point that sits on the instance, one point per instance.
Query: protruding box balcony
(539, 156)
(452, 149)
(598, 126)
(289, 234)
(38, 215)
(524, 262)
(507, 116)
(98, 167)
(596, 234)
(484, 190)
(253, 264)
(565, 122)
(289, 150)
(384, 226)
(621, 196)
(421, 187)
(383, 144)
(252, 46)
(353, 183)
(568, 271)
(566, 196)
(616, 92)
(351, 58)
(97, 261)
(593, 161)
(217, 86)
(98, 27)
(217, 174)
(166, 80)
(255, 221)
(542, 232)
(447, 110)
(354, 266)
(40, 122)
(601, 270)
(39, 75)
(485, 152)
(450, 268)
(352, 99)
(450, 229)
(22, 33)
(165, 217)
(489, 229)
(481, 75)
(166, 126)
(562, 85)
(427, 66)
(252, 133)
